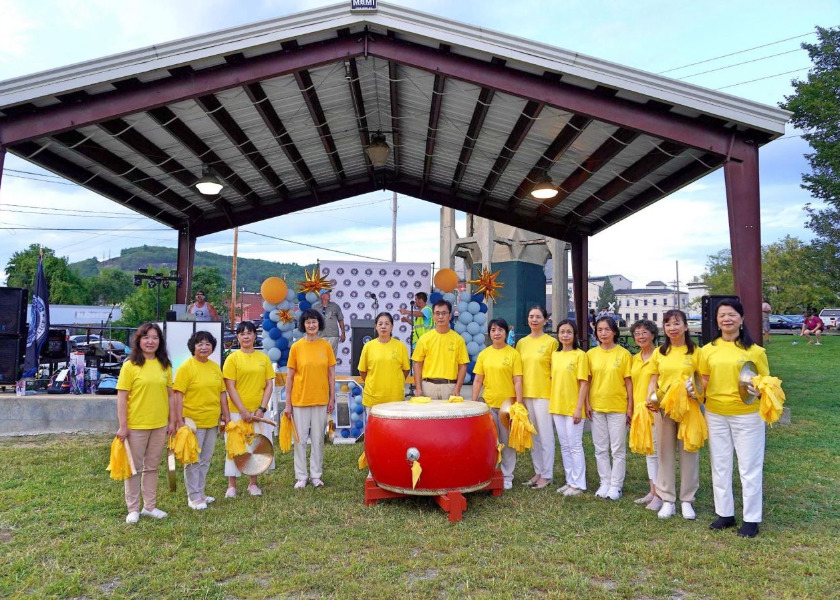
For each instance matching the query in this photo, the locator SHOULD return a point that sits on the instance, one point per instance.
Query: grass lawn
(63, 534)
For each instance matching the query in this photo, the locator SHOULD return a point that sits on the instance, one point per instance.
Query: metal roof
(283, 110)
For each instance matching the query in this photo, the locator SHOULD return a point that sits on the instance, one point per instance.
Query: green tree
(65, 286)
(142, 305)
(606, 294)
(110, 286)
(718, 276)
(815, 104)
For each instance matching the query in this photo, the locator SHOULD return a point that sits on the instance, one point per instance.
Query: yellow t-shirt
(609, 368)
(722, 362)
(499, 367)
(441, 354)
(385, 366)
(249, 371)
(536, 355)
(201, 383)
(311, 362)
(641, 372)
(148, 400)
(568, 369)
(675, 367)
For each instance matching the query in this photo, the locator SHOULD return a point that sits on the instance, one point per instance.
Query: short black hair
(310, 313)
(442, 302)
(200, 336)
(421, 296)
(246, 325)
(611, 323)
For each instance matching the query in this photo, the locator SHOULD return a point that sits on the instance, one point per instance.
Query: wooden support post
(580, 286)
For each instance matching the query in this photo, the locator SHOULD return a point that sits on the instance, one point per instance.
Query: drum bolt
(412, 454)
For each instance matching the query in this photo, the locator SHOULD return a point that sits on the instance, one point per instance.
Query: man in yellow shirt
(440, 358)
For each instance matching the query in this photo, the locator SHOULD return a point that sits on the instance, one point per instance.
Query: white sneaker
(197, 505)
(688, 511)
(155, 513)
(230, 493)
(573, 491)
(254, 490)
(602, 491)
(818, 344)
(614, 493)
(300, 484)
(667, 511)
(209, 499)
(644, 499)
(655, 504)
(132, 517)
(563, 489)
(508, 485)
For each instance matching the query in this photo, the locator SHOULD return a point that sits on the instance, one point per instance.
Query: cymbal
(257, 459)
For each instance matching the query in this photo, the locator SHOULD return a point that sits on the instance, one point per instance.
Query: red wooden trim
(580, 287)
(186, 262)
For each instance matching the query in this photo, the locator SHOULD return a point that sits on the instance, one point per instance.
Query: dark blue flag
(39, 322)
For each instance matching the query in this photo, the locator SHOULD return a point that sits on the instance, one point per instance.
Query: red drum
(455, 445)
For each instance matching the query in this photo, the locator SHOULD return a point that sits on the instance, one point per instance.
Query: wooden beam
(359, 110)
(431, 131)
(310, 97)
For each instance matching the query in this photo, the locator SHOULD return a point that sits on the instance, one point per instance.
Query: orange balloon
(446, 280)
(274, 290)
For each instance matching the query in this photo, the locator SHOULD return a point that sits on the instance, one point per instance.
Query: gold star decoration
(286, 316)
(486, 283)
(314, 282)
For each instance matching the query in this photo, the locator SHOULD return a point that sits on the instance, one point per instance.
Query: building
(649, 302)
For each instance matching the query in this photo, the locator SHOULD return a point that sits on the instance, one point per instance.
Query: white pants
(195, 475)
(262, 429)
(310, 422)
(508, 453)
(652, 460)
(571, 450)
(609, 435)
(744, 433)
(542, 453)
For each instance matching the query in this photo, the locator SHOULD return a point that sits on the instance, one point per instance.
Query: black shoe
(722, 523)
(748, 530)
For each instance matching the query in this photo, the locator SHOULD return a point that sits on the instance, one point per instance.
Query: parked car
(798, 319)
(782, 322)
(830, 316)
(81, 340)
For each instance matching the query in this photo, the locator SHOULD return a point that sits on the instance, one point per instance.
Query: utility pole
(394, 228)
(233, 281)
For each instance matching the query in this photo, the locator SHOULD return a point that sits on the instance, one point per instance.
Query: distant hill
(250, 272)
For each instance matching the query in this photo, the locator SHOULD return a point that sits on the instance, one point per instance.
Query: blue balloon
(304, 305)
(468, 378)
(467, 336)
(466, 296)
(460, 327)
(268, 344)
(284, 327)
(311, 297)
(360, 409)
(282, 343)
(352, 384)
(474, 307)
(268, 324)
(357, 391)
(462, 307)
(285, 353)
(449, 297)
(478, 297)
(274, 354)
(345, 433)
(354, 432)
(275, 334)
(291, 295)
(435, 297)
(479, 339)
(465, 318)
(483, 307)
(473, 328)
(301, 297)
(266, 314)
(473, 349)
(471, 366)
(480, 318)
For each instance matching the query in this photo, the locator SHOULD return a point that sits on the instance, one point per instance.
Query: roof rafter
(393, 93)
(359, 110)
(482, 106)
(187, 138)
(431, 132)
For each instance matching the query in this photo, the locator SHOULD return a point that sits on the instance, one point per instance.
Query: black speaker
(56, 346)
(709, 305)
(12, 349)
(363, 330)
(13, 310)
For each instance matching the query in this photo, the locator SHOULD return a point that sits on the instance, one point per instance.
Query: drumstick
(266, 421)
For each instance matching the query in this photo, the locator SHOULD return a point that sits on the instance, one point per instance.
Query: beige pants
(667, 444)
(438, 391)
(146, 447)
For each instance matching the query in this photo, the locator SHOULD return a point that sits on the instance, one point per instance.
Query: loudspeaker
(709, 306)
(56, 346)
(13, 310)
(362, 331)
(12, 349)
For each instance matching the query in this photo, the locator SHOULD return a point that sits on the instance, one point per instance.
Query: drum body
(456, 445)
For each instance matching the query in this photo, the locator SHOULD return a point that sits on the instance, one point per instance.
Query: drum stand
(454, 504)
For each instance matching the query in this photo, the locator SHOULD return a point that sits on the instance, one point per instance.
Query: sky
(755, 47)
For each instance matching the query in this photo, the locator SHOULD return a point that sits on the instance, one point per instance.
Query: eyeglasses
(639, 332)
(441, 314)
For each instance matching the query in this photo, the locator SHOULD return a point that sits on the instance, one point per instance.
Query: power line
(73, 229)
(740, 63)
(38, 211)
(73, 210)
(738, 52)
(313, 246)
(763, 78)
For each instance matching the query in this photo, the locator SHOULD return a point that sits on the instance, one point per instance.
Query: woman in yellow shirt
(146, 412)
(644, 333)
(249, 381)
(674, 362)
(383, 365)
(536, 350)
(733, 425)
(611, 399)
(499, 369)
(310, 396)
(200, 396)
(569, 388)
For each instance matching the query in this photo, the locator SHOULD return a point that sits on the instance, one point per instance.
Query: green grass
(63, 535)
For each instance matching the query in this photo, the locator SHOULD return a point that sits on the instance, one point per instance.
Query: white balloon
(285, 305)
(449, 297)
(479, 339)
(268, 343)
(291, 295)
(274, 315)
(474, 308)
(274, 354)
(473, 328)
(480, 318)
(269, 305)
(289, 334)
(465, 318)
(311, 297)
(286, 326)
(460, 327)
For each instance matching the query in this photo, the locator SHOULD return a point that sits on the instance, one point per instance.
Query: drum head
(258, 458)
(436, 409)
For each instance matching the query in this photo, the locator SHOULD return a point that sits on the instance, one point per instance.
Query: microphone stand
(411, 352)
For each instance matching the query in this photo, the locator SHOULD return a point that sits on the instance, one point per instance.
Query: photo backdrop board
(178, 332)
(394, 285)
